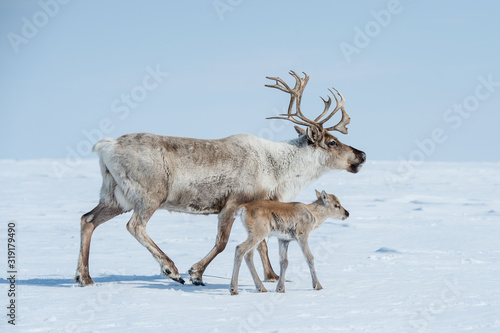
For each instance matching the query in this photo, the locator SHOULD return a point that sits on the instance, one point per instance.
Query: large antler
(296, 94)
(341, 126)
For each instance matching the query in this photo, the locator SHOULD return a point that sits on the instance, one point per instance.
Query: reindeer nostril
(362, 157)
(346, 213)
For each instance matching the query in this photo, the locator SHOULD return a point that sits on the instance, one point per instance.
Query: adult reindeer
(146, 172)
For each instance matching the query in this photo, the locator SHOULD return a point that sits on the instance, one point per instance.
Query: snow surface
(419, 253)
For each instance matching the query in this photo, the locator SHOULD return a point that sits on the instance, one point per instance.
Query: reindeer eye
(337, 206)
(332, 144)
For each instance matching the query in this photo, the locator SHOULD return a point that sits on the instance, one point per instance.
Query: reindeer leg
(269, 275)
(97, 216)
(226, 220)
(137, 227)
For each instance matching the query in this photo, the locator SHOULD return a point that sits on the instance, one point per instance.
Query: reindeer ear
(324, 196)
(300, 130)
(314, 134)
(318, 195)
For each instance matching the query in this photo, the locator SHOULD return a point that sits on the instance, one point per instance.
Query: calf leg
(137, 227)
(97, 216)
(258, 283)
(240, 251)
(303, 242)
(280, 288)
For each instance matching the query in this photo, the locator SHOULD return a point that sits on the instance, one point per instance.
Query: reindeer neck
(320, 212)
(300, 166)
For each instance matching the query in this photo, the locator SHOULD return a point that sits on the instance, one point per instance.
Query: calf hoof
(280, 290)
(262, 290)
(318, 287)
(233, 291)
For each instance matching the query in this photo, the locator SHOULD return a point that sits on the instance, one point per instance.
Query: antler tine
(293, 120)
(295, 93)
(342, 100)
(300, 84)
(299, 81)
(285, 87)
(337, 107)
(327, 106)
(341, 126)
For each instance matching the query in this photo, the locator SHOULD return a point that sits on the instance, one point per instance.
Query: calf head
(332, 203)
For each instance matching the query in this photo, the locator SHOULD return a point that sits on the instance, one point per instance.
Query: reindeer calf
(287, 221)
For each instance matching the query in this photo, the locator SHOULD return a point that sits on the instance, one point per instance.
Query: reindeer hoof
(83, 280)
(195, 277)
(179, 279)
(272, 277)
(197, 282)
(233, 291)
(168, 273)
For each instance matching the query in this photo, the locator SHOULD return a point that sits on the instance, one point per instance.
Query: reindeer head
(339, 155)
(332, 203)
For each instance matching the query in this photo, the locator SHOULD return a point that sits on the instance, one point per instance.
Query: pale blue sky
(430, 68)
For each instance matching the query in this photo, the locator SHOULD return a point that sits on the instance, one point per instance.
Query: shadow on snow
(139, 281)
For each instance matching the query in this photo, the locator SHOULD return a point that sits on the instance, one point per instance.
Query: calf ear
(318, 195)
(324, 196)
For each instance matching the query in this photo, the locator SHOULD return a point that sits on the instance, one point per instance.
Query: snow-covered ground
(419, 253)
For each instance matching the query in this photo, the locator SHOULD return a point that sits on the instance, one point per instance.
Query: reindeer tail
(101, 144)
